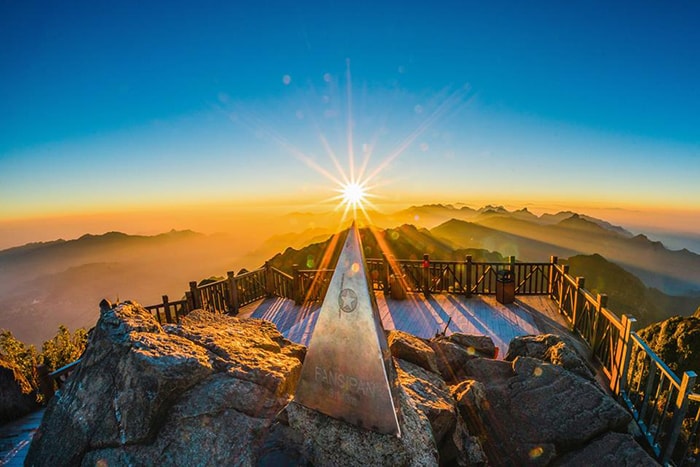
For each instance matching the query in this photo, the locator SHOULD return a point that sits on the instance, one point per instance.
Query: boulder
(616, 449)
(481, 346)
(145, 394)
(534, 412)
(549, 348)
(433, 398)
(454, 351)
(412, 349)
(16, 395)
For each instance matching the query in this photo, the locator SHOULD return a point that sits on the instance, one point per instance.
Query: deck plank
(426, 316)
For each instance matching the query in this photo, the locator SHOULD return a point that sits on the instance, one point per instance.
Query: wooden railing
(429, 276)
(663, 405)
(50, 381)
(167, 311)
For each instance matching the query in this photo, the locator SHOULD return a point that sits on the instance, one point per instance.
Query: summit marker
(348, 372)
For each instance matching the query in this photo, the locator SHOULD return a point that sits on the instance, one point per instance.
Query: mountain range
(46, 284)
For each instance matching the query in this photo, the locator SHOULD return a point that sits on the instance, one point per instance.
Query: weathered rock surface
(454, 351)
(332, 442)
(189, 394)
(16, 395)
(611, 449)
(432, 397)
(412, 349)
(549, 348)
(531, 412)
(677, 341)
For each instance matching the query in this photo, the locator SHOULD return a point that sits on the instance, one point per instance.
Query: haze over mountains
(46, 284)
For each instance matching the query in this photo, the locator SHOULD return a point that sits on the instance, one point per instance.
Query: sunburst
(355, 182)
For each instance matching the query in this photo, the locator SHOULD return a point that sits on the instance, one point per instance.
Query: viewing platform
(427, 316)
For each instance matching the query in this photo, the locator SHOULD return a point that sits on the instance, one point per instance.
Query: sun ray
(257, 124)
(443, 108)
(355, 184)
(351, 150)
(333, 157)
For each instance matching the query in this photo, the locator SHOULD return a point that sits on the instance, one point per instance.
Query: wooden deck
(424, 317)
(15, 438)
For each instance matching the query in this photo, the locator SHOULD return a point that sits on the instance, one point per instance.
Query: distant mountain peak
(489, 207)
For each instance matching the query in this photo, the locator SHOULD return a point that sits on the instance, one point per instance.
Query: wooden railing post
(623, 353)
(190, 301)
(166, 308)
(562, 281)
(296, 285)
(580, 282)
(426, 274)
(233, 291)
(550, 280)
(45, 382)
(468, 286)
(385, 273)
(269, 280)
(196, 298)
(681, 406)
(601, 302)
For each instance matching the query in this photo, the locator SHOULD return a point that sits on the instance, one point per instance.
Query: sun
(354, 195)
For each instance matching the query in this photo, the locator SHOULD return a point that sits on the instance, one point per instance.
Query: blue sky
(573, 102)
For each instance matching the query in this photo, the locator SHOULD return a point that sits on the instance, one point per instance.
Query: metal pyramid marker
(348, 372)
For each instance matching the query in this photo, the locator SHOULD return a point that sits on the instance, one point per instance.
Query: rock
(16, 395)
(333, 442)
(225, 437)
(676, 341)
(432, 397)
(412, 349)
(534, 414)
(453, 352)
(616, 449)
(481, 346)
(487, 369)
(199, 393)
(549, 348)
(247, 349)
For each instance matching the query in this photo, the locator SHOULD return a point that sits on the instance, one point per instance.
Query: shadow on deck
(425, 316)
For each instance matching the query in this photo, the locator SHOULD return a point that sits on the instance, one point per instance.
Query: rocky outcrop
(454, 351)
(532, 412)
(16, 395)
(549, 348)
(196, 393)
(412, 349)
(676, 341)
(217, 390)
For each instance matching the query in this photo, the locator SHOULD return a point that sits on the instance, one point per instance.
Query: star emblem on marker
(347, 300)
